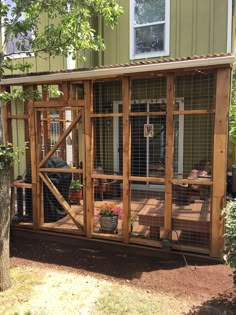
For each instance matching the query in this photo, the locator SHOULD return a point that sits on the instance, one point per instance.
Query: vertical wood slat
(170, 100)
(75, 131)
(126, 96)
(62, 125)
(46, 121)
(219, 158)
(34, 164)
(88, 161)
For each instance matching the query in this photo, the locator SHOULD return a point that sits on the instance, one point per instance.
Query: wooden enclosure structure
(132, 133)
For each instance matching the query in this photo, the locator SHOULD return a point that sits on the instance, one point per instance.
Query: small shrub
(230, 236)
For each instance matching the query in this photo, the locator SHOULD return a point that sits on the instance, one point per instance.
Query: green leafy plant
(230, 236)
(110, 210)
(8, 155)
(232, 113)
(75, 185)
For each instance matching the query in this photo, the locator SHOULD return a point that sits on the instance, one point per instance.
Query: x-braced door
(60, 166)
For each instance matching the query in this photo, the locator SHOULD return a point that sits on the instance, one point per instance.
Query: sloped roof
(161, 64)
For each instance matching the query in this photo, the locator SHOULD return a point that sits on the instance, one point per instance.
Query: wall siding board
(197, 27)
(185, 33)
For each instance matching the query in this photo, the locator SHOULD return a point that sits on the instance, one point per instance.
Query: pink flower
(110, 210)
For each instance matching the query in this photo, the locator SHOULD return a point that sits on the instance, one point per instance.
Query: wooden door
(60, 152)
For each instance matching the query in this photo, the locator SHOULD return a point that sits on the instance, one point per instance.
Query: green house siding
(197, 27)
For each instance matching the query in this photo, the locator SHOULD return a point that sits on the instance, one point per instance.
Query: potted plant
(75, 192)
(108, 215)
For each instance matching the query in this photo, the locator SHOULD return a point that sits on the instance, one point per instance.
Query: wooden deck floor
(145, 213)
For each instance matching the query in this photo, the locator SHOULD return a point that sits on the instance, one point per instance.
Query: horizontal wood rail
(20, 184)
(20, 116)
(147, 179)
(207, 182)
(104, 176)
(79, 103)
(162, 113)
(106, 115)
(61, 170)
(194, 112)
(45, 103)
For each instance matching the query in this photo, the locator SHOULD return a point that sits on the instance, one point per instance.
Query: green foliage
(76, 185)
(8, 155)
(70, 29)
(230, 236)
(18, 94)
(232, 114)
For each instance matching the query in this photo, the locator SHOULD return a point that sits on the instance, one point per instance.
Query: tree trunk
(4, 229)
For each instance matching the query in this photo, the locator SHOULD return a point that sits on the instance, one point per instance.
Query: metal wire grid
(106, 95)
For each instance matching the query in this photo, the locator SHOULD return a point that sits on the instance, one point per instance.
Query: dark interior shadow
(106, 259)
(224, 304)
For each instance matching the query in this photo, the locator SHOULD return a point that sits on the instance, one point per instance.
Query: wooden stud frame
(219, 154)
(219, 158)
(170, 101)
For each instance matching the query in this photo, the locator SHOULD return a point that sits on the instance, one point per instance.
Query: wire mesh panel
(191, 217)
(108, 134)
(191, 208)
(108, 145)
(147, 210)
(148, 89)
(198, 91)
(21, 196)
(106, 95)
(148, 146)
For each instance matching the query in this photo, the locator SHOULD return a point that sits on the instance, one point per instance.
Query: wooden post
(126, 96)
(219, 158)
(46, 122)
(88, 161)
(34, 163)
(170, 100)
(64, 98)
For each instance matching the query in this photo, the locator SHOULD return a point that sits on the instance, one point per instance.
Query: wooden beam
(64, 87)
(170, 102)
(126, 100)
(47, 181)
(46, 122)
(61, 139)
(88, 159)
(219, 158)
(34, 162)
(61, 170)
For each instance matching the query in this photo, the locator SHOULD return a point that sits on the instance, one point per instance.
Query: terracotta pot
(76, 196)
(109, 224)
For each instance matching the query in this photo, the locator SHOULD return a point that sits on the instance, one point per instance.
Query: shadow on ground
(123, 264)
(224, 304)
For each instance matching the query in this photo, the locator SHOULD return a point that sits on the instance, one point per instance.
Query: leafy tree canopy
(69, 29)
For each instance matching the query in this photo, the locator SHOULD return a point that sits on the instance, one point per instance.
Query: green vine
(230, 236)
(8, 156)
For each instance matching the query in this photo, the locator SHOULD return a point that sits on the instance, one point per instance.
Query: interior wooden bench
(196, 219)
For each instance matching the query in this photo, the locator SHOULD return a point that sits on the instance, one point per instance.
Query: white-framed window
(149, 28)
(11, 47)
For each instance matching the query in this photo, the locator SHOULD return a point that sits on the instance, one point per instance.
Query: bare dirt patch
(198, 288)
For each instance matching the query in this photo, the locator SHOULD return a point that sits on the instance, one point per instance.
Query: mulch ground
(204, 280)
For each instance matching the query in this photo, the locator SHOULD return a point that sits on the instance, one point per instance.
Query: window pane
(149, 11)
(149, 38)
